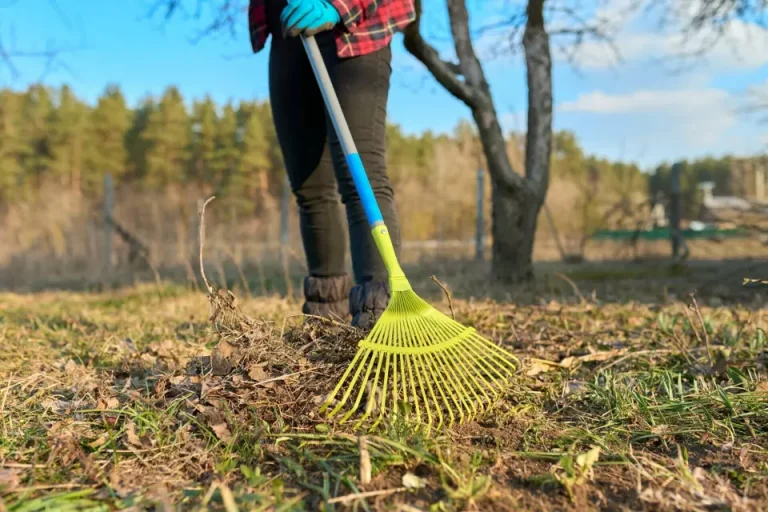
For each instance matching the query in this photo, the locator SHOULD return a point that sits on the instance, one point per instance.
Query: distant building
(716, 203)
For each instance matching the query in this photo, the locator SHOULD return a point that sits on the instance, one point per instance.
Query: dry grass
(110, 401)
(57, 240)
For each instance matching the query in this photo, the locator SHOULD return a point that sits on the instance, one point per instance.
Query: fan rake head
(419, 364)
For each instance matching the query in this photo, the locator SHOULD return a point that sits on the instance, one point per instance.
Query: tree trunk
(516, 205)
(513, 231)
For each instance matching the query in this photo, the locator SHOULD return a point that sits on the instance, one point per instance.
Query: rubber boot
(326, 297)
(367, 302)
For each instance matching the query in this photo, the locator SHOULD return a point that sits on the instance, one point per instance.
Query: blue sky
(638, 109)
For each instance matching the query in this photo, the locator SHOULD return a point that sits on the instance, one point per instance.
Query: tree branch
(468, 61)
(446, 73)
(538, 61)
(50, 55)
(710, 20)
(481, 101)
(226, 15)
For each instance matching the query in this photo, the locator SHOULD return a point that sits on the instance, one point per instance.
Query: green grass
(646, 406)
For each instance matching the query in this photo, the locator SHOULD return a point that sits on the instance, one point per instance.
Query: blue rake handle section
(355, 164)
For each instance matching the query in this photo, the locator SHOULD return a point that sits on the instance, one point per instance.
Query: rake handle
(355, 164)
(380, 233)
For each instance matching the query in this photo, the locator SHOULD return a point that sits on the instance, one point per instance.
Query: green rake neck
(397, 280)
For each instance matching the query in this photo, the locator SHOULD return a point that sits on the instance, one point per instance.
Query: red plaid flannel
(367, 24)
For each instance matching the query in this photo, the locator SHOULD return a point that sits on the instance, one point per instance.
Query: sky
(637, 104)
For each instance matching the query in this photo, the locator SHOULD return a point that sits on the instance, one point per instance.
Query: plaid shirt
(367, 25)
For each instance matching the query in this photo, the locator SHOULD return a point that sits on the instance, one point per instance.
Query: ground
(108, 401)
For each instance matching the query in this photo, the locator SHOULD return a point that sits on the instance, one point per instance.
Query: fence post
(480, 227)
(676, 214)
(107, 225)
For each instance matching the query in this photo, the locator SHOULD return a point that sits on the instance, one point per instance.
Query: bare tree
(517, 196)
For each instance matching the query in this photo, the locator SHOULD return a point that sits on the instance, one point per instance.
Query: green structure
(664, 234)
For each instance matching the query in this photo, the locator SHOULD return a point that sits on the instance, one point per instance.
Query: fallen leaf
(575, 387)
(9, 479)
(130, 435)
(220, 364)
(222, 432)
(540, 366)
(567, 362)
(411, 481)
(56, 406)
(99, 441)
(110, 403)
(256, 372)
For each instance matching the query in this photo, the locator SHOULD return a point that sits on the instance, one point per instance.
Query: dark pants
(313, 157)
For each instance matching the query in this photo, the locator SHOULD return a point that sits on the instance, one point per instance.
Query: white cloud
(696, 117)
(647, 101)
(742, 46)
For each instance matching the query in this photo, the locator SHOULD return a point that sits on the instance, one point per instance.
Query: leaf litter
(616, 407)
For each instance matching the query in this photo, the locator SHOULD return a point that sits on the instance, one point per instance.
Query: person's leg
(299, 116)
(362, 86)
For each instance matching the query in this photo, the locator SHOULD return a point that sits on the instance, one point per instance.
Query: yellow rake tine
(416, 406)
(449, 382)
(389, 342)
(359, 394)
(371, 399)
(486, 364)
(350, 386)
(431, 370)
(466, 375)
(484, 361)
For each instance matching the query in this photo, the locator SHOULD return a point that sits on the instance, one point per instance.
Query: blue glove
(308, 17)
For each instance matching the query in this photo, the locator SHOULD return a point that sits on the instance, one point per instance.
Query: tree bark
(516, 200)
(513, 230)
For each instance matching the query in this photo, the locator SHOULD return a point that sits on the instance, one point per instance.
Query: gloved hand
(308, 17)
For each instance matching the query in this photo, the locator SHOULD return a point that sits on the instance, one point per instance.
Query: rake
(416, 362)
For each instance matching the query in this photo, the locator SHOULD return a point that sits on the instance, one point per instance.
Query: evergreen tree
(167, 136)
(11, 172)
(136, 145)
(227, 154)
(107, 126)
(67, 139)
(203, 147)
(35, 133)
(276, 176)
(256, 158)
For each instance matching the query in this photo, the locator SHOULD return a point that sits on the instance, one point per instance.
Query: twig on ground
(573, 285)
(362, 495)
(365, 461)
(447, 294)
(202, 242)
(228, 498)
(637, 353)
(283, 377)
(695, 307)
(754, 283)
